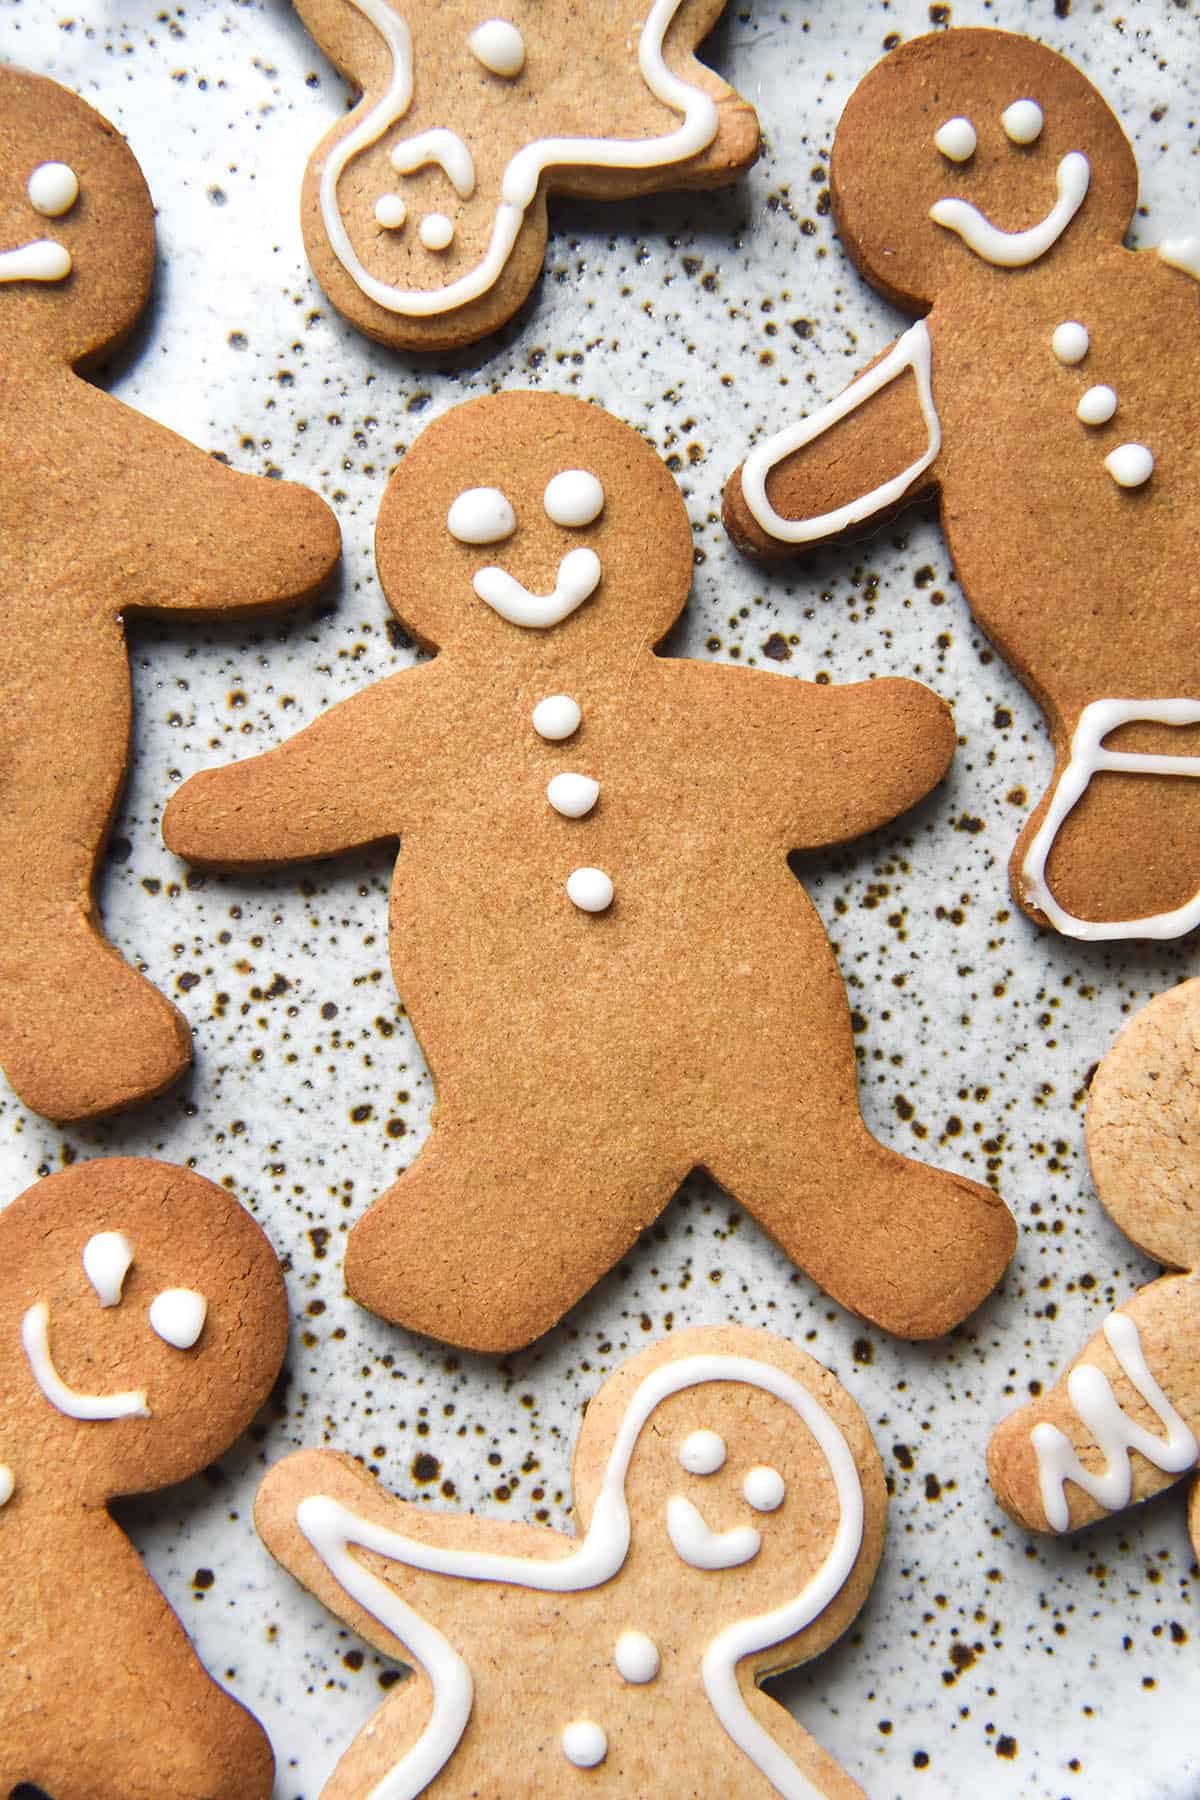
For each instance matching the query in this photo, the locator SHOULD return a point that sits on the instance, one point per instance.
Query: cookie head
(76, 225)
(973, 152)
(524, 517)
(142, 1322)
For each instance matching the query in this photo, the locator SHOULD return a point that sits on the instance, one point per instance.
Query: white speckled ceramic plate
(986, 1662)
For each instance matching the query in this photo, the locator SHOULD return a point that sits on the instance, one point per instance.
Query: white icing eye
(956, 139)
(106, 1262)
(178, 1315)
(53, 189)
(499, 46)
(1130, 465)
(556, 717)
(703, 1453)
(1097, 406)
(436, 231)
(481, 516)
(390, 212)
(573, 498)
(764, 1489)
(1070, 342)
(591, 890)
(1023, 121)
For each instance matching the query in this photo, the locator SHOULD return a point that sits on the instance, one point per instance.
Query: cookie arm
(856, 460)
(338, 785)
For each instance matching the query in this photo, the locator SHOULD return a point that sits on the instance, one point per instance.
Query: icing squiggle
(578, 578)
(1088, 758)
(912, 351)
(696, 1544)
(332, 1528)
(519, 183)
(1114, 1432)
(35, 1336)
(1016, 249)
(41, 261)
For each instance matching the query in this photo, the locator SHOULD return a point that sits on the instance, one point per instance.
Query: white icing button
(573, 795)
(436, 231)
(703, 1453)
(764, 1489)
(636, 1657)
(956, 139)
(1070, 341)
(573, 498)
(556, 717)
(53, 189)
(499, 46)
(1023, 121)
(590, 889)
(481, 515)
(106, 1262)
(584, 1744)
(1130, 465)
(390, 212)
(178, 1315)
(8, 1483)
(1097, 406)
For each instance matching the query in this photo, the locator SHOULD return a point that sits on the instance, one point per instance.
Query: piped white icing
(1130, 465)
(436, 231)
(107, 1260)
(53, 189)
(8, 1484)
(390, 212)
(441, 148)
(1182, 253)
(574, 497)
(1114, 1432)
(35, 1337)
(591, 890)
(579, 575)
(1097, 406)
(481, 515)
(499, 47)
(521, 178)
(702, 1453)
(1023, 121)
(331, 1528)
(41, 261)
(764, 1489)
(637, 1658)
(572, 795)
(1016, 249)
(956, 140)
(556, 717)
(584, 1743)
(911, 351)
(1070, 342)
(696, 1544)
(1088, 758)
(178, 1315)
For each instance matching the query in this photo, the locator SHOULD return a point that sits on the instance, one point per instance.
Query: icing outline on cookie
(519, 183)
(1088, 758)
(1017, 249)
(331, 1528)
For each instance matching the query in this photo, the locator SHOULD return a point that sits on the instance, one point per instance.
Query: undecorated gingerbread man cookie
(730, 1508)
(143, 1321)
(1048, 396)
(612, 970)
(1122, 1423)
(424, 209)
(103, 514)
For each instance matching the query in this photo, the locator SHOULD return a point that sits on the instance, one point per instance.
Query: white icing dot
(481, 515)
(1097, 406)
(53, 189)
(178, 1315)
(556, 717)
(764, 1488)
(499, 46)
(636, 1657)
(574, 498)
(703, 1453)
(436, 231)
(584, 1744)
(1130, 465)
(573, 795)
(8, 1483)
(106, 1262)
(1070, 342)
(1023, 121)
(390, 212)
(590, 889)
(956, 139)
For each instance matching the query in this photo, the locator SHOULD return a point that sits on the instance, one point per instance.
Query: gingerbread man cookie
(424, 210)
(143, 1321)
(1122, 1423)
(105, 514)
(730, 1506)
(612, 970)
(1048, 397)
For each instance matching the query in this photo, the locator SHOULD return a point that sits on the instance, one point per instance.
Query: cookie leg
(488, 1250)
(81, 1032)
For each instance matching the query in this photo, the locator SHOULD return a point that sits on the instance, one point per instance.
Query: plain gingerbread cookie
(730, 1508)
(1122, 1423)
(143, 1321)
(1049, 397)
(103, 514)
(424, 209)
(611, 968)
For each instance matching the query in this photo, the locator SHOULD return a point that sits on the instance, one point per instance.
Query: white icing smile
(1016, 249)
(35, 1336)
(701, 1548)
(43, 260)
(578, 578)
